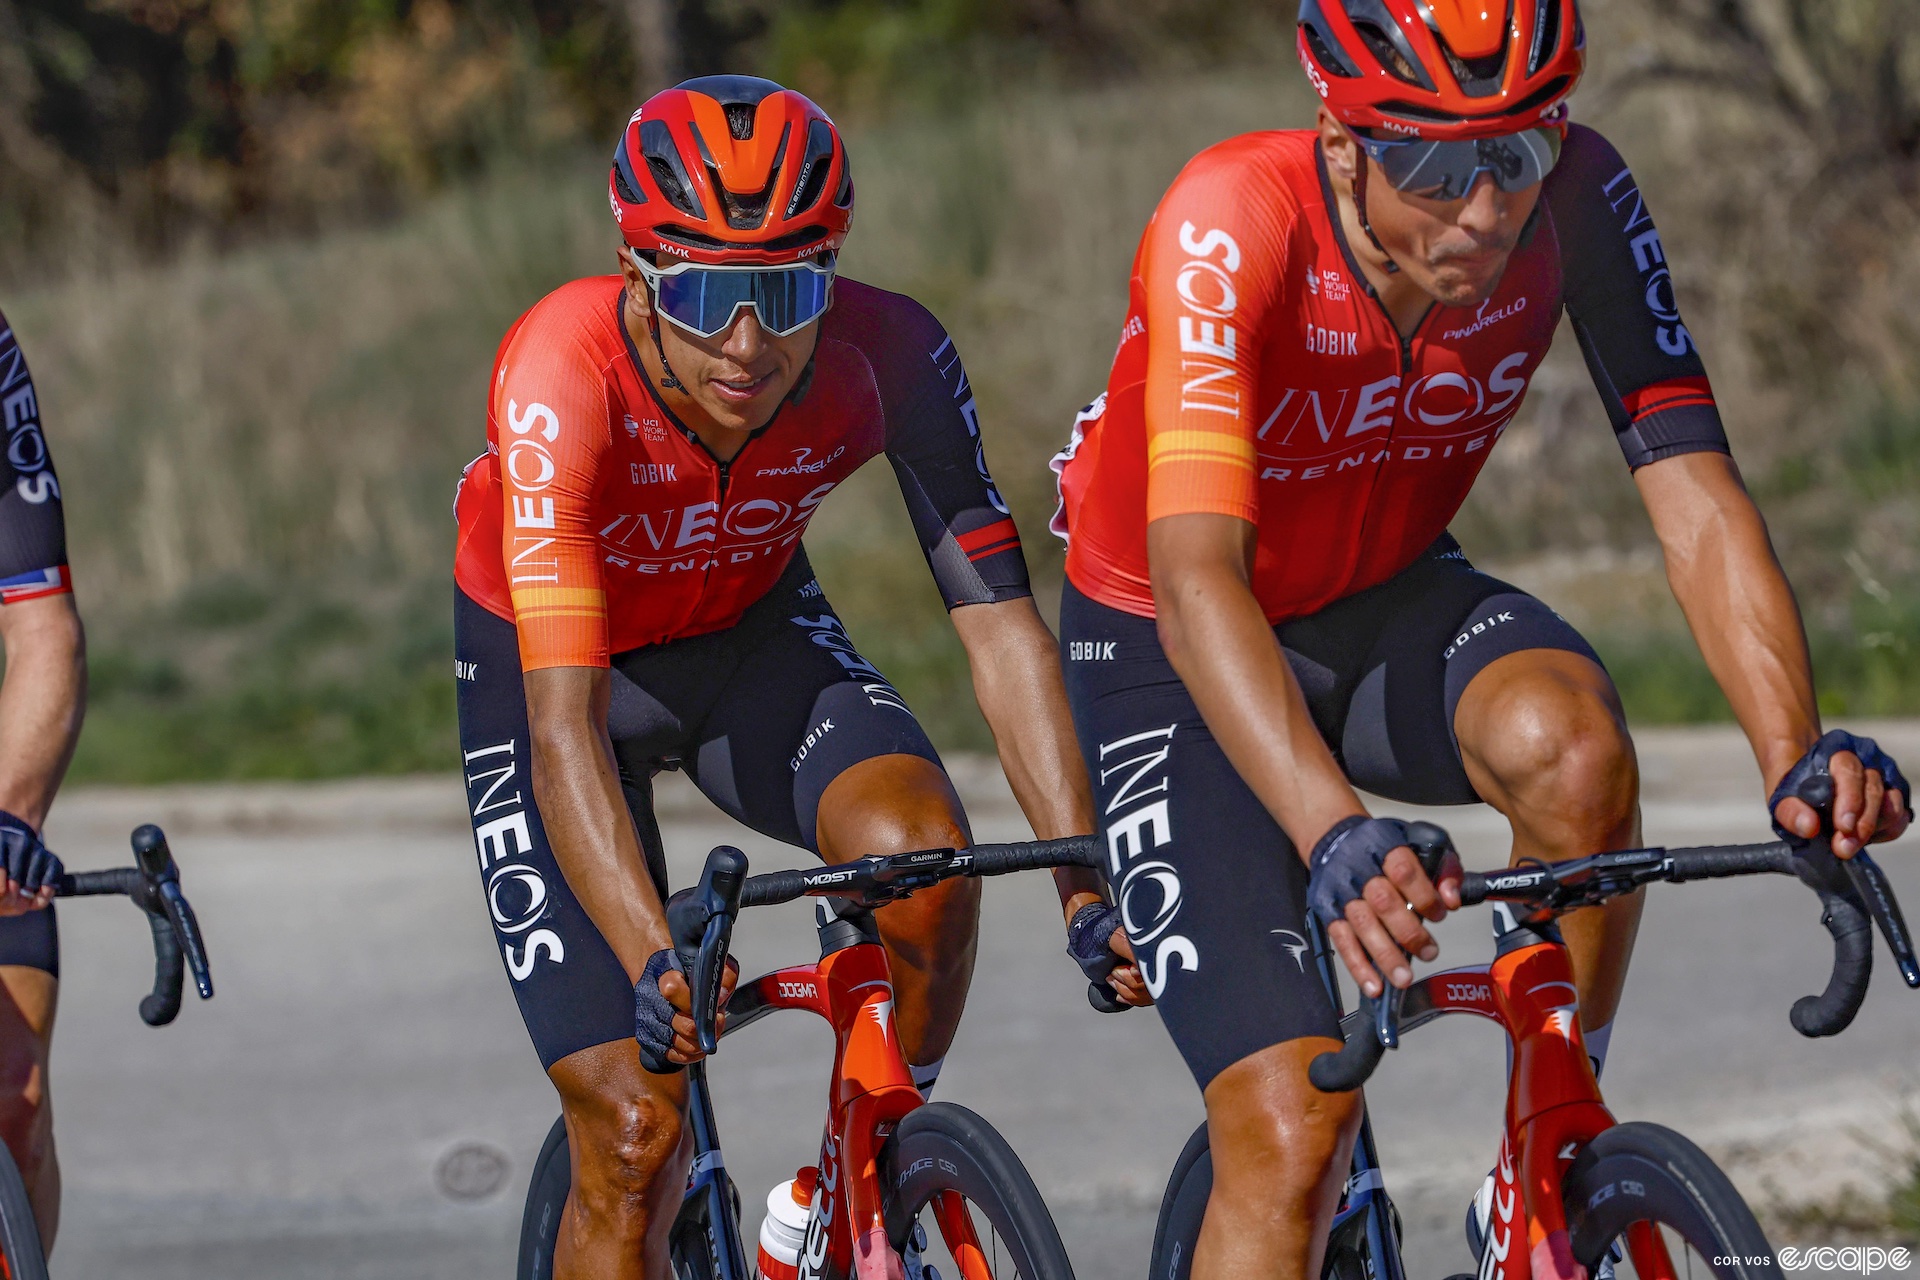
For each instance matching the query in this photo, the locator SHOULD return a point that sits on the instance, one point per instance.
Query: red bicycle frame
(870, 1091)
(1553, 1110)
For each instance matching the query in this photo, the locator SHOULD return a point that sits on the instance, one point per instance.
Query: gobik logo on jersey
(1138, 821)
(517, 893)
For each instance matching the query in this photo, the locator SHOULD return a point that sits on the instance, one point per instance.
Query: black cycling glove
(1090, 940)
(1814, 765)
(653, 1015)
(1350, 854)
(28, 863)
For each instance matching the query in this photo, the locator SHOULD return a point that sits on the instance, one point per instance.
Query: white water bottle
(783, 1232)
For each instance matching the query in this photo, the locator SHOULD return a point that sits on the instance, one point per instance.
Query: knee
(625, 1149)
(1286, 1141)
(24, 1122)
(1563, 739)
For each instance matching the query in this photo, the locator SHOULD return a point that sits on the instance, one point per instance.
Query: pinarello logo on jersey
(803, 464)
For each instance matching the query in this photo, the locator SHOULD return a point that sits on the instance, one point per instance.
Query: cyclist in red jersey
(1329, 330)
(633, 596)
(42, 700)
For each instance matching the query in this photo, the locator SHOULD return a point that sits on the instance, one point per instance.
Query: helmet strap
(666, 370)
(1360, 207)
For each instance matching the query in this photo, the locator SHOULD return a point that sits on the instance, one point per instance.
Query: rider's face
(1455, 251)
(736, 378)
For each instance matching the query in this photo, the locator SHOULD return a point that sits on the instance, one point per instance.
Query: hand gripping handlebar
(1854, 898)
(154, 886)
(701, 918)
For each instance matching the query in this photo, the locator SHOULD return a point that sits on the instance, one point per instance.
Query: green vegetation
(259, 443)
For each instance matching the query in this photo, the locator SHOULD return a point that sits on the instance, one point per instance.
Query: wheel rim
(1655, 1251)
(953, 1239)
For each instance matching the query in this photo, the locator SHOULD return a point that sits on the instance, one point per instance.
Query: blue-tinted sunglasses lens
(1447, 170)
(705, 301)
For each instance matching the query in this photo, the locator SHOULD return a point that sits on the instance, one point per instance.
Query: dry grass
(260, 449)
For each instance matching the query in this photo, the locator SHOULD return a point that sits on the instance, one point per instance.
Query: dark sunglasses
(1447, 170)
(703, 300)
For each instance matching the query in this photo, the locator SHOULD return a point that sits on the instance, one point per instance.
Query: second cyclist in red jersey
(1329, 330)
(633, 596)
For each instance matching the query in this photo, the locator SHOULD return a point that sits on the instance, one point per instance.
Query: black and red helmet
(730, 170)
(1443, 69)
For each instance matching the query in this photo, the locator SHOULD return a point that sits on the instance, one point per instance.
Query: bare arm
(1219, 641)
(1741, 610)
(42, 700)
(577, 785)
(1016, 679)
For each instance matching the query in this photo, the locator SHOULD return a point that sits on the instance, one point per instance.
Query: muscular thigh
(801, 709)
(572, 991)
(1212, 893)
(1385, 669)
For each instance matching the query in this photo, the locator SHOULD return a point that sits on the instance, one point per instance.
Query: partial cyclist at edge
(1329, 329)
(633, 596)
(42, 700)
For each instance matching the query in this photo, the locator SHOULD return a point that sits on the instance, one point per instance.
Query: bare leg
(1281, 1149)
(1545, 742)
(27, 1001)
(895, 804)
(627, 1136)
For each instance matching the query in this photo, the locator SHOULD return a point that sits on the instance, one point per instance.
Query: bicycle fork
(709, 1219)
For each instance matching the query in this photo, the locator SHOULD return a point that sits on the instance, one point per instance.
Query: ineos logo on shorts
(492, 771)
(1149, 889)
(511, 881)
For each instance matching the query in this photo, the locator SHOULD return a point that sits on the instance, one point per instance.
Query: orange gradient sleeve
(1212, 271)
(550, 416)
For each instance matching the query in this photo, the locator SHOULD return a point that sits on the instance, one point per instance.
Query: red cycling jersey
(1258, 376)
(598, 523)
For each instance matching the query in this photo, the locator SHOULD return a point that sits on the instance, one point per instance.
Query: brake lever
(710, 968)
(1870, 882)
(1386, 1016)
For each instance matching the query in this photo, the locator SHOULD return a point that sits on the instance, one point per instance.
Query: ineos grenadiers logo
(517, 894)
(1148, 889)
(1650, 258)
(20, 416)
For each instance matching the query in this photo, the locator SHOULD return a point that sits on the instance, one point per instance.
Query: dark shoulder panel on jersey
(33, 527)
(1619, 294)
(933, 442)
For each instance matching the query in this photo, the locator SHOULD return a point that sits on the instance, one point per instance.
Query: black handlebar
(701, 919)
(154, 886)
(1854, 897)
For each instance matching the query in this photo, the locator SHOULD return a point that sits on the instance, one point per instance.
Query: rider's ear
(638, 296)
(1337, 145)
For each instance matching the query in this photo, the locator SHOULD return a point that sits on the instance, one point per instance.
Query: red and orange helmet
(1443, 68)
(731, 170)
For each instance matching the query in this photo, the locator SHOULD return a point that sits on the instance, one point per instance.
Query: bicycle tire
(944, 1147)
(546, 1200)
(1644, 1173)
(1182, 1208)
(547, 1192)
(21, 1257)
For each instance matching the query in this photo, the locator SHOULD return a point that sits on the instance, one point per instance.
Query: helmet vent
(843, 198)
(1546, 34)
(1330, 62)
(1477, 77)
(623, 184)
(812, 182)
(663, 162)
(739, 120)
(1398, 65)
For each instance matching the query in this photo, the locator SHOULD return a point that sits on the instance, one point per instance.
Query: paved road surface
(364, 1030)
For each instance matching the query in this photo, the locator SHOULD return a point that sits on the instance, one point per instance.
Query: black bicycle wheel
(1643, 1179)
(546, 1199)
(944, 1156)
(1182, 1209)
(19, 1233)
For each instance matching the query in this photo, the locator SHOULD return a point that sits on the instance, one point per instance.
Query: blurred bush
(259, 432)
